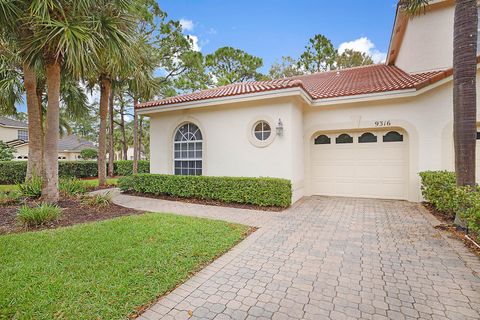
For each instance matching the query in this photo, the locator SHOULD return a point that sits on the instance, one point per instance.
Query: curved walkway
(327, 258)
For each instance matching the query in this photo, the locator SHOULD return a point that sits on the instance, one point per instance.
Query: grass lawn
(7, 187)
(88, 183)
(105, 270)
(94, 182)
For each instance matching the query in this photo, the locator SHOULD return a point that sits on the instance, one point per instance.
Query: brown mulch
(454, 232)
(208, 202)
(73, 213)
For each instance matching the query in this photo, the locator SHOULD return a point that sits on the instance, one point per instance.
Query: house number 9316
(383, 123)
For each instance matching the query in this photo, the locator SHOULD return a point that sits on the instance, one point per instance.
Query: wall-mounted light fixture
(279, 127)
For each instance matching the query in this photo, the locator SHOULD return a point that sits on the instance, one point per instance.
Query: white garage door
(360, 164)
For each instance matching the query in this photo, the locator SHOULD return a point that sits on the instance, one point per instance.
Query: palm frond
(413, 7)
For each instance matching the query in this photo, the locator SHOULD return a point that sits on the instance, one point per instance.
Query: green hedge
(439, 188)
(12, 172)
(257, 191)
(125, 167)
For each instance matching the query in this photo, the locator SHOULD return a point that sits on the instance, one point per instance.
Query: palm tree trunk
(111, 147)
(105, 85)
(50, 175)
(124, 133)
(35, 131)
(135, 137)
(464, 91)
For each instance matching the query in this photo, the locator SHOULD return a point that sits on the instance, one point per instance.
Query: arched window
(392, 136)
(187, 150)
(344, 138)
(367, 137)
(322, 139)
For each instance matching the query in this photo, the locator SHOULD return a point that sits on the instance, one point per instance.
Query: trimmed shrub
(256, 191)
(38, 216)
(125, 167)
(439, 188)
(31, 188)
(13, 172)
(78, 169)
(72, 187)
(89, 154)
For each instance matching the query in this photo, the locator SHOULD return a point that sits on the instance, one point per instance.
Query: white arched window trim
(188, 150)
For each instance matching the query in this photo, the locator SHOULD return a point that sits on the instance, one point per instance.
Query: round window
(262, 130)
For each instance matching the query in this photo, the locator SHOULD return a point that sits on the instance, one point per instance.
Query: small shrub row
(12, 172)
(10, 197)
(439, 188)
(98, 200)
(256, 191)
(71, 187)
(31, 188)
(37, 216)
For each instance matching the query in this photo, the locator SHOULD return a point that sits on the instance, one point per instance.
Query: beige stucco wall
(229, 152)
(423, 118)
(227, 146)
(8, 134)
(428, 41)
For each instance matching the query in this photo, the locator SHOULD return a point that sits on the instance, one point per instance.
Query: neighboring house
(360, 132)
(15, 134)
(13, 130)
(119, 154)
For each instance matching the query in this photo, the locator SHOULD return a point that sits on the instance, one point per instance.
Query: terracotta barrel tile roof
(332, 84)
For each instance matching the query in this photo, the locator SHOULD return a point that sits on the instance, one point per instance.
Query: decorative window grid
(187, 150)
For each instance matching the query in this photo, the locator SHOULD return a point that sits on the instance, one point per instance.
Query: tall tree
(114, 23)
(288, 67)
(465, 90)
(229, 65)
(319, 55)
(351, 58)
(16, 28)
(111, 128)
(195, 77)
(465, 34)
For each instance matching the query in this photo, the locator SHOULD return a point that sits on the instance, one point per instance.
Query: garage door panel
(374, 170)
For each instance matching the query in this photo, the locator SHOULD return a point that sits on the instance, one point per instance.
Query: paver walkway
(327, 258)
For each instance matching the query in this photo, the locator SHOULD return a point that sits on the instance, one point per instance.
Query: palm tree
(15, 28)
(114, 24)
(465, 35)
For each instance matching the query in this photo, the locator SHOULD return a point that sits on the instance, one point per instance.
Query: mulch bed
(208, 202)
(454, 232)
(73, 213)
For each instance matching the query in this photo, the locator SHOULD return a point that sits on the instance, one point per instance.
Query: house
(15, 134)
(13, 130)
(119, 154)
(359, 132)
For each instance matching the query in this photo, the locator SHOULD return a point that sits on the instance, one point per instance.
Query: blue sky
(271, 29)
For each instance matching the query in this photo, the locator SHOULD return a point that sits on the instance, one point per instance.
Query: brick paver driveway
(329, 258)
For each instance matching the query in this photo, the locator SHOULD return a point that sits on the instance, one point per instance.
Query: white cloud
(187, 25)
(194, 41)
(365, 45)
